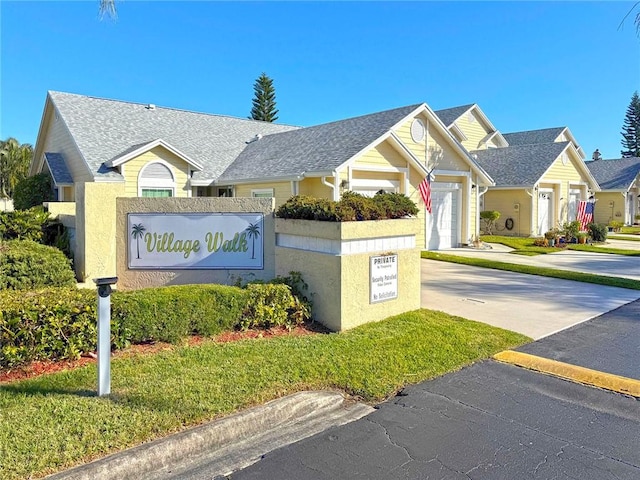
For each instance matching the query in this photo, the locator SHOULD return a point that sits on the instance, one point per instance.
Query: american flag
(585, 214)
(425, 192)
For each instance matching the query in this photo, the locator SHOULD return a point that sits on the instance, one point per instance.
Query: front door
(545, 216)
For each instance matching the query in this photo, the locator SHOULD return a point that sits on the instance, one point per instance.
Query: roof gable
(615, 174)
(137, 150)
(313, 150)
(449, 115)
(105, 130)
(520, 165)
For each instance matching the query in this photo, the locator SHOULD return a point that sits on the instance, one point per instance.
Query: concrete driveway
(529, 304)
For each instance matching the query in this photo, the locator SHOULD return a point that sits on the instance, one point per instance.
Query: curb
(230, 443)
(574, 373)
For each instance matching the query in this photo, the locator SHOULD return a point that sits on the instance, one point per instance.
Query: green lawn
(532, 270)
(525, 246)
(55, 421)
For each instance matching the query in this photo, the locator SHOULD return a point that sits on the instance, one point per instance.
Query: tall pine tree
(631, 128)
(264, 100)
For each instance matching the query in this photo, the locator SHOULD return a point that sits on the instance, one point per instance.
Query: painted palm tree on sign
(253, 231)
(136, 232)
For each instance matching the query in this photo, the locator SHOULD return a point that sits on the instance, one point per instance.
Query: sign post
(104, 334)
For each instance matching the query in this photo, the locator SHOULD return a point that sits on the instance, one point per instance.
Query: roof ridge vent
(257, 137)
(151, 106)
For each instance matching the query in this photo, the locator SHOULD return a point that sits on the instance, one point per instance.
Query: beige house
(539, 175)
(97, 150)
(619, 198)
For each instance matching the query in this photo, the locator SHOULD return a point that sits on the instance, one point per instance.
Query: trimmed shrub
(48, 324)
(267, 306)
(25, 264)
(169, 314)
(395, 205)
(352, 207)
(60, 323)
(489, 218)
(597, 232)
(32, 191)
(23, 224)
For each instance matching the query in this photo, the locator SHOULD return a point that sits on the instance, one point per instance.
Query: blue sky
(528, 65)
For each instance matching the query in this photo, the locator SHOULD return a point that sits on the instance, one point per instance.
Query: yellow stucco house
(539, 175)
(97, 150)
(619, 198)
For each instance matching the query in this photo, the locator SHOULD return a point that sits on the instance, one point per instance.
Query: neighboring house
(619, 198)
(539, 175)
(97, 150)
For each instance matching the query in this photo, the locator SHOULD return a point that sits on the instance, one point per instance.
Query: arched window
(156, 180)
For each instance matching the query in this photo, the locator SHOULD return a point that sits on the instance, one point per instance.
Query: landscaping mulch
(45, 367)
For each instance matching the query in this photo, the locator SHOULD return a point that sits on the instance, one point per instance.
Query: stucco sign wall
(195, 241)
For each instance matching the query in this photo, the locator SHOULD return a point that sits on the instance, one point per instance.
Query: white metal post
(104, 334)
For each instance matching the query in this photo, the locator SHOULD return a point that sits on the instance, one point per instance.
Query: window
(225, 191)
(157, 192)
(156, 180)
(262, 193)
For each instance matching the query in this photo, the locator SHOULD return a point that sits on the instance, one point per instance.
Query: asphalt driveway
(529, 304)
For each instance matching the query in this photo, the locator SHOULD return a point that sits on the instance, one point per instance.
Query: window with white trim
(156, 179)
(262, 193)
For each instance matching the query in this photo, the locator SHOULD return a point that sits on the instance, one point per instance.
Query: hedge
(60, 323)
(351, 207)
(25, 264)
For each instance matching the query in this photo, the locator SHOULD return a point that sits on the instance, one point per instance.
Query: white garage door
(442, 224)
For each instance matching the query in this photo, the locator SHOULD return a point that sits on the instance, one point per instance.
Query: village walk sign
(180, 241)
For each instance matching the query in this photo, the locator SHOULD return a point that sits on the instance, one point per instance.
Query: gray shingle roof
(617, 174)
(532, 137)
(58, 168)
(106, 129)
(314, 149)
(450, 115)
(520, 165)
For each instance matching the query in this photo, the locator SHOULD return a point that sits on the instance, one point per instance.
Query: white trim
(156, 184)
(452, 173)
(345, 247)
(259, 192)
(149, 146)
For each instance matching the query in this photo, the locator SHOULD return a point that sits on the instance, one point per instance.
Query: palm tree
(253, 230)
(136, 233)
(14, 164)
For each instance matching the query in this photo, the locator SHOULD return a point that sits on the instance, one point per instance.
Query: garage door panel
(442, 223)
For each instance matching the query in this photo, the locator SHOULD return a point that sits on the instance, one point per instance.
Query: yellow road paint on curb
(595, 378)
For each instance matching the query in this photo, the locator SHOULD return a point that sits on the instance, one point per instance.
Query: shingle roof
(617, 174)
(106, 129)
(321, 148)
(532, 137)
(520, 165)
(58, 168)
(450, 115)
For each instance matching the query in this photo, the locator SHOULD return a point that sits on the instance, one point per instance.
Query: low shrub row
(25, 264)
(351, 207)
(60, 323)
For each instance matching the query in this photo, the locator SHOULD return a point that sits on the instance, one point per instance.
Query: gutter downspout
(332, 186)
(480, 194)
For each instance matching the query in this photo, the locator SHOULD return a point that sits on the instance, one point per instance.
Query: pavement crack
(392, 442)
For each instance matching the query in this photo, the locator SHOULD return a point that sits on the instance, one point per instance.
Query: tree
(253, 230)
(14, 165)
(108, 8)
(631, 128)
(264, 100)
(137, 233)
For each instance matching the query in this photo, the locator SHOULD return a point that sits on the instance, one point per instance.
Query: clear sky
(528, 65)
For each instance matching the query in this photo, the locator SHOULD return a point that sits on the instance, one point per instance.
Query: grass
(55, 421)
(533, 270)
(525, 246)
(632, 230)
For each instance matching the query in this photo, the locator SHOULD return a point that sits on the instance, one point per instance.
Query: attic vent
(256, 138)
(151, 106)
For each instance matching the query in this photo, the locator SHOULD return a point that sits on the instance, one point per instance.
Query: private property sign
(383, 278)
(171, 241)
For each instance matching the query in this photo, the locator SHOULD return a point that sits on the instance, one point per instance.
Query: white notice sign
(383, 278)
